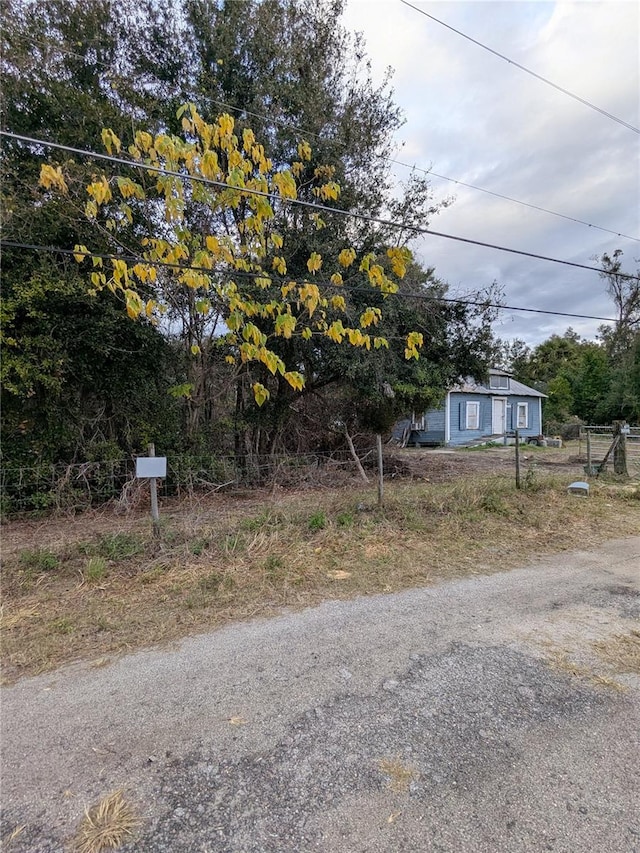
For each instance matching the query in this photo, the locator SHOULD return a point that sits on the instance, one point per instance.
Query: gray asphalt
(429, 720)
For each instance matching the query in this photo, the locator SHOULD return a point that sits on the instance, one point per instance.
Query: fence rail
(600, 438)
(89, 484)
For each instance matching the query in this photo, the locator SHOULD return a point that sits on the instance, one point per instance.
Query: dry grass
(560, 661)
(400, 774)
(621, 652)
(106, 825)
(7, 842)
(95, 585)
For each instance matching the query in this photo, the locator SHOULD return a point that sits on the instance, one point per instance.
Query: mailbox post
(151, 468)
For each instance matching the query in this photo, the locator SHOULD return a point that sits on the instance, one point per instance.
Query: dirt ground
(444, 465)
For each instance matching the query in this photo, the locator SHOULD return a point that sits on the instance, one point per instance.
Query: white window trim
(472, 406)
(522, 407)
(447, 416)
(499, 383)
(419, 422)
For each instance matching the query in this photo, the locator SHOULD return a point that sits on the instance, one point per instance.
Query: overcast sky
(473, 117)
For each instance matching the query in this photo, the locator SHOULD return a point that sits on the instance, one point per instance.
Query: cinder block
(579, 488)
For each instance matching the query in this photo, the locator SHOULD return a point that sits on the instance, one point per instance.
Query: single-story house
(475, 412)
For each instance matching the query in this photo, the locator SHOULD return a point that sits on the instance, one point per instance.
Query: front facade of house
(474, 412)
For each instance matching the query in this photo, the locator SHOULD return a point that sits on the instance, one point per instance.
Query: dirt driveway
(499, 713)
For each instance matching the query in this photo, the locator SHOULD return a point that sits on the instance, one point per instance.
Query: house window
(522, 416)
(418, 422)
(499, 382)
(473, 416)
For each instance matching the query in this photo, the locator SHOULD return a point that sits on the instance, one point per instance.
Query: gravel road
(469, 717)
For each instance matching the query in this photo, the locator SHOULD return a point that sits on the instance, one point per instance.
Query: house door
(498, 416)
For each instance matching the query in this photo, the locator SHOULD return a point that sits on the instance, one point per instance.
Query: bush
(567, 430)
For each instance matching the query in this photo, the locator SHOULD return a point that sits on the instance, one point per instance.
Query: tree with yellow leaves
(205, 208)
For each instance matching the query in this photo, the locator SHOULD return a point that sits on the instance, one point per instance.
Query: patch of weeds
(103, 624)
(211, 582)
(106, 825)
(630, 494)
(344, 519)
(38, 560)
(95, 569)
(120, 546)
(234, 543)
(317, 521)
(151, 575)
(530, 482)
(264, 519)
(491, 502)
(273, 567)
(409, 518)
(198, 546)
(62, 626)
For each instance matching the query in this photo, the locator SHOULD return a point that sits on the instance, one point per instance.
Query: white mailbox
(150, 467)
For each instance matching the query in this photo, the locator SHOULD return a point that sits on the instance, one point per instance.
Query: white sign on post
(151, 467)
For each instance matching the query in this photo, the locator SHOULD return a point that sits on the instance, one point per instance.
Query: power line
(431, 172)
(311, 134)
(374, 220)
(515, 200)
(230, 275)
(523, 68)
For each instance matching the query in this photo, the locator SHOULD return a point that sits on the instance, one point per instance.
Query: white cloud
(473, 117)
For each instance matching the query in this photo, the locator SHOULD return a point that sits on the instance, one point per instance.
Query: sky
(473, 117)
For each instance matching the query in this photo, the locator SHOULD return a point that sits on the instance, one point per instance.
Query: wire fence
(600, 439)
(80, 486)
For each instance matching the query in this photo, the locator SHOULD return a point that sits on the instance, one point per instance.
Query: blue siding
(458, 434)
(434, 433)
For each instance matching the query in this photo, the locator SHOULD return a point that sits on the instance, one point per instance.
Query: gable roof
(517, 389)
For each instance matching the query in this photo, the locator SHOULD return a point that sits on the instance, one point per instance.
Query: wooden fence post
(518, 485)
(620, 452)
(380, 471)
(155, 513)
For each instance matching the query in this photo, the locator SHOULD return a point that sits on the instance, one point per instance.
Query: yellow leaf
(295, 379)
(399, 257)
(229, 359)
(195, 349)
(314, 263)
(346, 258)
(370, 317)
(134, 304)
(336, 331)
(414, 340)
(50, 177)
(284, 325)
(279, 265)
(307, 333)
(304, 150)
(110, 140)
(338, 303)
(310, 296)
(260, 393)
(336, 278)
(80, 253)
